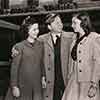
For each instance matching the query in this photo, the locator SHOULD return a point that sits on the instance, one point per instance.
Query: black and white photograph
(49, 49)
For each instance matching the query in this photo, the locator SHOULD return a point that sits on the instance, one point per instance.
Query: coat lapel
(62, 55)
(27, 43)
(84, 40)
(65, 42)
(49, 41)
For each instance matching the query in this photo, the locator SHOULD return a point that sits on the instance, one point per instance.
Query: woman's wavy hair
(24, 28)
(85, 22)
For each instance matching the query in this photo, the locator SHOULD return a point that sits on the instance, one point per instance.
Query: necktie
(57, 39)
(58, 82)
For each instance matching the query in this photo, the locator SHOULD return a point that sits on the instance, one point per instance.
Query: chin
(59, 31)
(35, 38)
(75, 31)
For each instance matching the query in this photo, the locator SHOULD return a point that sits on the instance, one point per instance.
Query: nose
(60, 24)
(72, 25)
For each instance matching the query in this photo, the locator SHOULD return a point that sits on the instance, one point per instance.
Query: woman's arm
(96, 68)
(16, 60)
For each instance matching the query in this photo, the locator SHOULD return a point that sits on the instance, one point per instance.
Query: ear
(84, 22)
(49, 27)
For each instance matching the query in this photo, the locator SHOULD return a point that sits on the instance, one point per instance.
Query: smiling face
(33, 30)
(76, 25)
(56, 25)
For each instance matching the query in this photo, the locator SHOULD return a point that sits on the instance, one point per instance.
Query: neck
(81, 33)
(30, 40)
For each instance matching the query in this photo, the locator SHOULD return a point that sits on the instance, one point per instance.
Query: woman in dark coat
(27, 65)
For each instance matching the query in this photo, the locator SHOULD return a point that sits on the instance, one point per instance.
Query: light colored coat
(66, 40)
(84, 70)
(88, 58)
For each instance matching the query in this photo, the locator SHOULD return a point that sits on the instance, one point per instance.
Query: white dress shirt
(55, 37)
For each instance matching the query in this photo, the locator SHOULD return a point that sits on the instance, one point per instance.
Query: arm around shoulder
(16, 60)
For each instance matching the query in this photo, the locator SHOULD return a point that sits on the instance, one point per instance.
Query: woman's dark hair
(87, 27)
(85, 22)
(24, 28)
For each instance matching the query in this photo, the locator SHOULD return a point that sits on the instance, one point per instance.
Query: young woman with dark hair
(27, 68)
(84, 63)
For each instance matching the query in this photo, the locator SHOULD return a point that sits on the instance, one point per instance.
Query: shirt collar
(54, 35)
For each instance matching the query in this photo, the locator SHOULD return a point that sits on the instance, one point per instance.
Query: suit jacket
(87, 66)
(66, 39)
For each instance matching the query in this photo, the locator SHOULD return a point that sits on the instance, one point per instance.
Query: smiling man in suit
(57, 46)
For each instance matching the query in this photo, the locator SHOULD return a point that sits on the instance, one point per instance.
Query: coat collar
(74, 41)
(84, 40)
(49, 39)
(29, 44)
(90, 36)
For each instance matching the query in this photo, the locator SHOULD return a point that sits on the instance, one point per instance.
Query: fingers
(15, 52)
(44, 82)
(16, 92)
(92, 91)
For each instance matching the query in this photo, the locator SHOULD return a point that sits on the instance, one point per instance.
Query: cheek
(74, 26)
(77, 27)
(30, 31)
(37, 31)
(57, 27)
